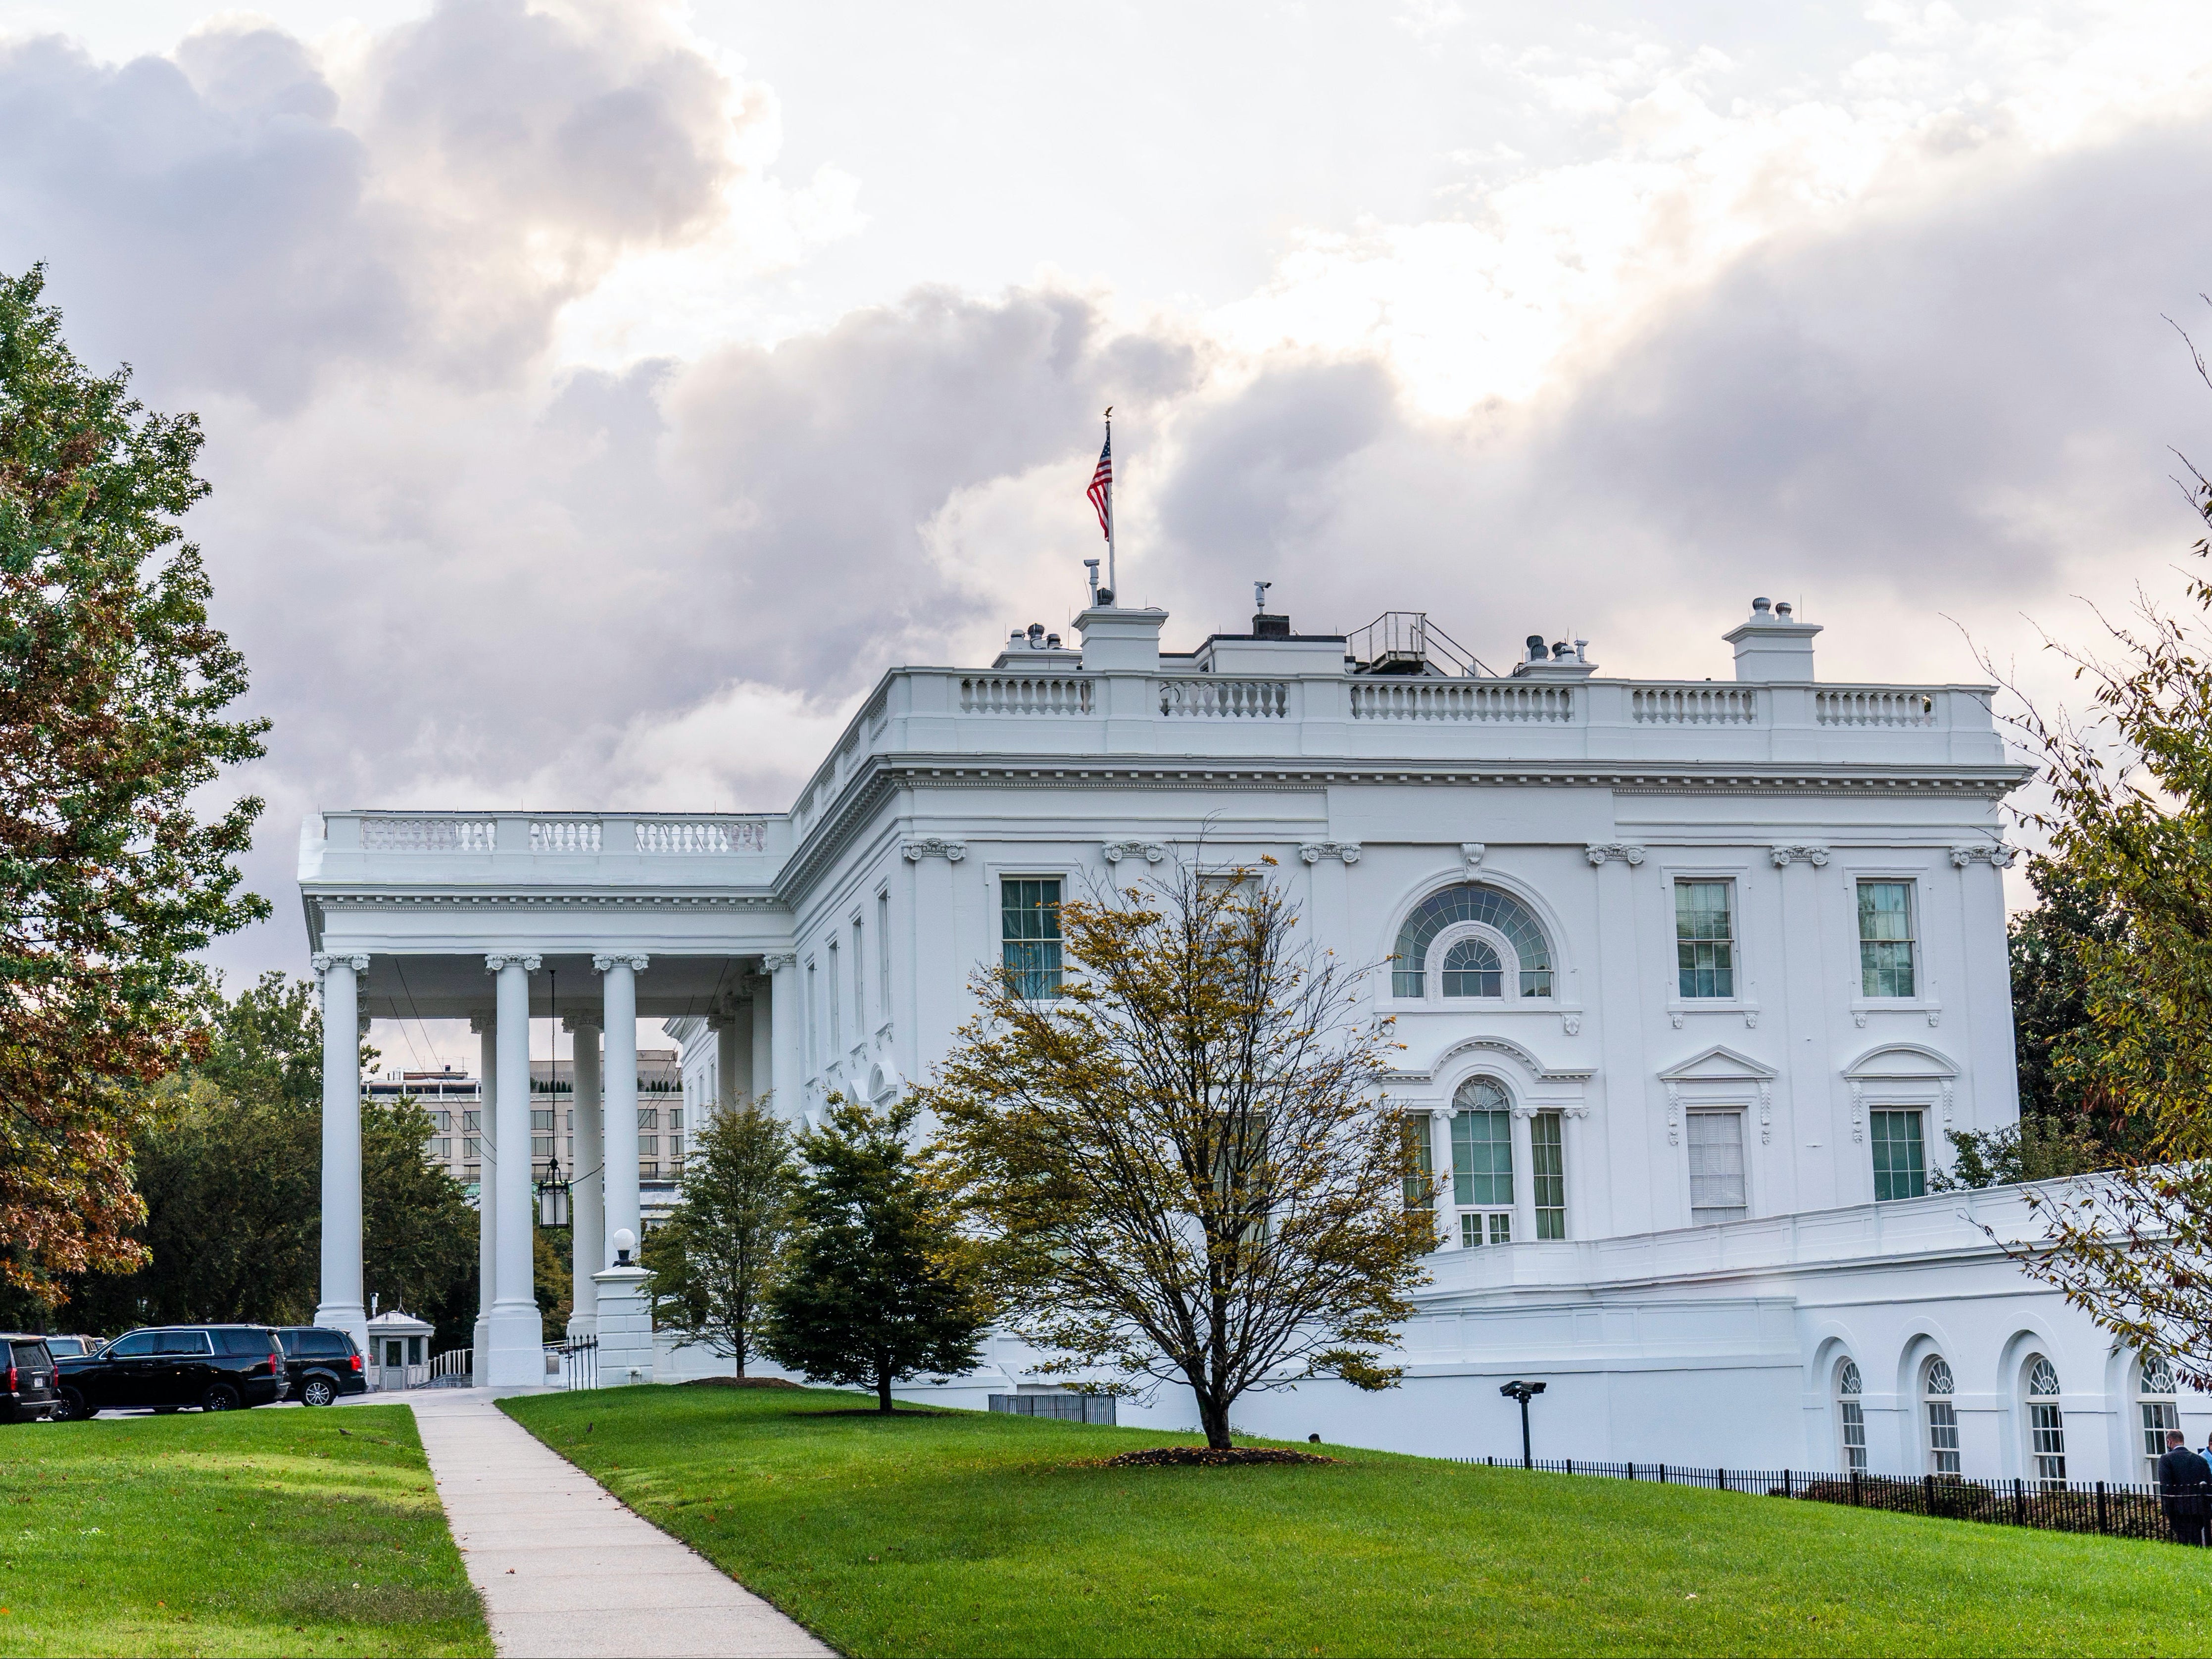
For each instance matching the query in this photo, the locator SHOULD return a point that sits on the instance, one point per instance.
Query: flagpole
(1113, 579)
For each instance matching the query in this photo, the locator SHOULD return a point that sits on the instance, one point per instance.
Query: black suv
(323, 1364)
(27, 1379)
(217, 1368)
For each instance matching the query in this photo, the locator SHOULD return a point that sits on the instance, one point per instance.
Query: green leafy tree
(880, 1286)
(114, 692)
(1183, 1161)
(714, 1258)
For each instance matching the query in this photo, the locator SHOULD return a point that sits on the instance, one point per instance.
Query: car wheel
(219, 1398)
(70, 1407)
(317, 1392)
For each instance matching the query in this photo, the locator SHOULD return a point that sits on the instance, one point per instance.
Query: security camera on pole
(1524, 1392)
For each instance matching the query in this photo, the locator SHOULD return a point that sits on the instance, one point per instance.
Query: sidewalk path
(565, 1569)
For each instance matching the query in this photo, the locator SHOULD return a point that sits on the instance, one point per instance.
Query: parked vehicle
(323, 1364)
(27, 1379)
(217, 1368)
(70, 1347)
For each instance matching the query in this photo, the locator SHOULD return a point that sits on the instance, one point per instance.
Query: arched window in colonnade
(1939, 1410)
(1851, 1417)
(2158, 1408)
(2046, 1421)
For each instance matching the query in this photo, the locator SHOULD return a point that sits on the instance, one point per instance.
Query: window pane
(1418, 1184)
(1705, 938)
(1886, 939)
(1854, 1446)
(1409, 962)
(1501, 1229)
(1717, 1172)
(1899, 1160)
(1030, 936)
(1548, 1171)
(1482, 1156)
(1472, 968)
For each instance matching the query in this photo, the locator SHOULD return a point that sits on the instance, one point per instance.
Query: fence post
(1662, 1474)
(2019, 1502)
(1571, 1466)
(2101, 1524)
(1722, 1475)
(1927, 1494)
(1854, 1486)
(1631, 1468)
(1786, 1492)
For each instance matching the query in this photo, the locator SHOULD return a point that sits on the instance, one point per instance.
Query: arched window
(1472, 970)
(1486, 907)
(1851, 1417)
(2160, 1411)
(2046, 1423)
(1936, 1390)
(1482, 1161)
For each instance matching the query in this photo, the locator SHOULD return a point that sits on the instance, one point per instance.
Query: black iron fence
(2115, 1509)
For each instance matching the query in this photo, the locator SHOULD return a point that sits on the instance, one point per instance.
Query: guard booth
(398, 1351)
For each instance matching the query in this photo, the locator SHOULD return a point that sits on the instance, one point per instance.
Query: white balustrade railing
(1454, 700)
(664, 835)
(1693, 705)
(1207, 697)
(1024, 694)
(564, 835)
(429, 835)
(1875, 709)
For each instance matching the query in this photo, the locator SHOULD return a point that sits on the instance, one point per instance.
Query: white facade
(1692, 957)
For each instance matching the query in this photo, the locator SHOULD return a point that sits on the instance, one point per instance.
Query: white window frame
(1934, 1408)
(1716, 1108)
(1745, 1002)
(1509, 962)
(1851, 1414)
(2044, 1450)
(2167, 1405)
(1477, 1225)
(1925, 1000)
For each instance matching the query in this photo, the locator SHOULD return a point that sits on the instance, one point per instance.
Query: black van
(217, 1368)
(323, 1364)
(27, 1378)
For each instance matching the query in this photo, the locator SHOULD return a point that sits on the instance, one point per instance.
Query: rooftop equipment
(1407, 642)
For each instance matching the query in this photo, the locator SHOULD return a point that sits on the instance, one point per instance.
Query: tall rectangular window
(1421, 1177)
(883, 958)
(1547, 1173)
(1482, 1158)
(1028, 911)
(1705, 938)
(1716, 1174)
(1886, 939)
(1900, 1161)
(814, 1022)
(836, 1022)
(860, 985)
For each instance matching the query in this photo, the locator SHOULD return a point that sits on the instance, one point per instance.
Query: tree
(112, 692)
(1184, 1157)
(714, 1258)
(880, 1286)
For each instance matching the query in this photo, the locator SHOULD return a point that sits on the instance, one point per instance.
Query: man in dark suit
(2184, 1479)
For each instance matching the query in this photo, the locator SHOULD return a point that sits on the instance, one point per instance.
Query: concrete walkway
(565, 1569)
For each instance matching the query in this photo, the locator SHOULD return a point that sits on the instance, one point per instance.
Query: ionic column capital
(495, 960)
(633, 960)
(583, 1019)
(776, 961)
(483, 1023)
(322, 960)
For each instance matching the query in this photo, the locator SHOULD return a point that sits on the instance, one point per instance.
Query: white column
(727, 1091)
(787, 1070)
(517, 1333)
(1524, 1175)
(486, 1026)
(1437, 1127)
(587, 1207)
(618, 977)
(760, 1061)
(341, 1306)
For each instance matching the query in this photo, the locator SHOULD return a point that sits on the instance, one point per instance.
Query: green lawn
(264, 1532)
(966, 1534)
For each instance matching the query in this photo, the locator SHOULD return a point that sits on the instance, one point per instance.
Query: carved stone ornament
(1858, 1110)
(322, 960)
(1314, 852)
(360, 1023)
(1674, 1113)
(1946, 1102)
(583, 1019)
(1572, 1024)
(1858, 1017)
(1471, 852)
(776, 961)
(915, 848)
(495, 960)
(633, 960)
(1599, 851)
(1984, 852)
(1151, 851)
(1751, 1019)
(1765, 1112)
(1677, 1019)
(1801, 852)
(482, 1024)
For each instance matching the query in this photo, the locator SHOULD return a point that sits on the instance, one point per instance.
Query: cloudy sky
(600, 395)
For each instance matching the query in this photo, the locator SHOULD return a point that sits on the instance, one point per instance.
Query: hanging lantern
(553, 1196)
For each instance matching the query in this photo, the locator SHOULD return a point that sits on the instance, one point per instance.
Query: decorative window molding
(1471, 854)
(1115, 851)
(1801, 852)
(1599, 851)
(1314, 852)
(918, 847)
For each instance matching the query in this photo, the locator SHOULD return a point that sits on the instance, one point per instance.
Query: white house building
(1691, 978)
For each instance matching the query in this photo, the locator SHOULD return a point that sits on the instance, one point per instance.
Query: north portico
(1692, 976)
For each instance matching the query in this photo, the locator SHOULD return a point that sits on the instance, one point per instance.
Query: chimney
(1267, 627)
(1119, 639)
(1773, 647)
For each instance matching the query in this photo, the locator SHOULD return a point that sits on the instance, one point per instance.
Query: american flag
(1102, 485)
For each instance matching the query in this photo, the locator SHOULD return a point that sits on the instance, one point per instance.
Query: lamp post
(1524, 1392)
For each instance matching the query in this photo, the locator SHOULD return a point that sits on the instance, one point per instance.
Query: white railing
(742, 836)
(1023, 694)
(453, 1368)
(1206, 697)
(564, 835)
(1694, 705)
(1446, 700)
(1881, 708)
(437, 835)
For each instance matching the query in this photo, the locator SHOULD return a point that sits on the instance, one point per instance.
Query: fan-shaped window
(2160, 1411)
(1472, 970)
(2046, 1423)
(1850, 1416)
(1469, 903)
(1938, 1388)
